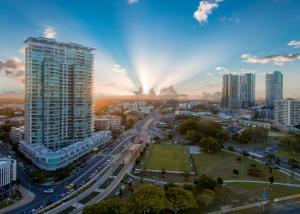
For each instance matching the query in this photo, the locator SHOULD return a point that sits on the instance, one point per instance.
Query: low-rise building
(115, 109)
(130, 106)
(8, 174)
(17, 134)
(108, 122)
(52, 160)
(184, 106)
(17, 121)
(146, 109)
(287, 112)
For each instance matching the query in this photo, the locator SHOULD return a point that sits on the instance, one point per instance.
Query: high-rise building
(58, 93)
(287, 112)
(274, 88)
(247, 90)
(58, 103)
(8, 174)
(230, 92)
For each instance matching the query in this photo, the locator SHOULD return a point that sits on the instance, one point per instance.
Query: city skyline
(155, 44)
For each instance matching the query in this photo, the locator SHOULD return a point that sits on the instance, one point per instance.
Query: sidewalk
(27, 197)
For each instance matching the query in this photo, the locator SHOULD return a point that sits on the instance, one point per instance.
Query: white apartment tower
(287, 112)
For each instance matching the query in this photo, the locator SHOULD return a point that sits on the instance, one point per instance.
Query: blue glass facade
(58, 92)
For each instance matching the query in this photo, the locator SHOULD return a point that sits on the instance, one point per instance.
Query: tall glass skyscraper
(58, 92)
(247, 90)
(230, 92)
(274, 88)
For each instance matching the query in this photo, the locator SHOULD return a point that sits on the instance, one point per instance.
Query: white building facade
(8, 172)
(287, 112)
(108, 122)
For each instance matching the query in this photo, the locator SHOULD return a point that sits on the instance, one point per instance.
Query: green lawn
(169, 157)
(221, 165)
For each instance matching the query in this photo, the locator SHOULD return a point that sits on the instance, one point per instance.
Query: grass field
(222, 164)
(169, 157)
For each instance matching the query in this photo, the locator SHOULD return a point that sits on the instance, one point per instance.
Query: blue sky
(157, 43)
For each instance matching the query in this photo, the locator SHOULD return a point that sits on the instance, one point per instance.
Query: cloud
(205, 8)
(295, 44)
(277, 59)
(119, 69)
(133, 1)
(221, 69)
(12, 68)
(49, 32)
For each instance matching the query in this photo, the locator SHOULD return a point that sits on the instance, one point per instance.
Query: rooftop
(54, 42)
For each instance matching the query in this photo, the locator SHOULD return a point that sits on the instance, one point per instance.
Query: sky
(157, 43)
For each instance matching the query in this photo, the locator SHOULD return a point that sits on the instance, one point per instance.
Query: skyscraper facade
(274, 88)
(230, 92)
(58, 92)
(247, 90)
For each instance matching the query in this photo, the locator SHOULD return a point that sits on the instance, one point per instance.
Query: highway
(95, 165)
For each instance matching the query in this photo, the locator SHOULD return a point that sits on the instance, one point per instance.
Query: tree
(210, 145)
(180, 199)
(190, 124)
(189, 187)
(148, 199)
(170, 136)
(254, 135)
(220, 181)
(205, 182)
(271, 179)
(235, 171)
(236, 137)
(270, 158)
(206, 197)
(169, 185)
(111, 206)
(290, 143)
(193, 136)
(223, 135)
(129, 123)
(163, 172)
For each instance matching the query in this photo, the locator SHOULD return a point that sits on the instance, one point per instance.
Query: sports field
(169, 157)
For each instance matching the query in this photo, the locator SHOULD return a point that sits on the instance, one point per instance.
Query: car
(70, 186)
(48, 191)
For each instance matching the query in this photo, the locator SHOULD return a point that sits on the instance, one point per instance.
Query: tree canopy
(205, 182)
(253, 135)
(290, 143)
(210, 145)
(148, 199)
(111, 206)
(180, 199)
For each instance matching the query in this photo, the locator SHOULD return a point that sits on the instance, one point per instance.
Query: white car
(48, 191)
